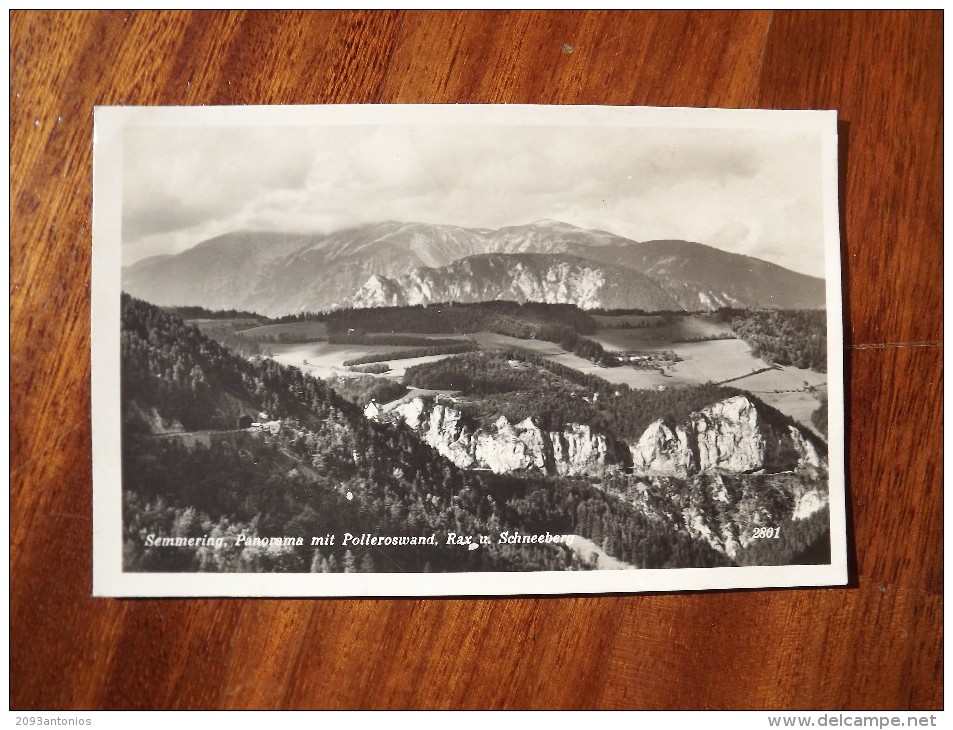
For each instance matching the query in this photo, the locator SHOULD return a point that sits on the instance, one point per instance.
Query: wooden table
(875, 644)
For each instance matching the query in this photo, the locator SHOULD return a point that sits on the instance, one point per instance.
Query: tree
(819, 417)
(367, 563)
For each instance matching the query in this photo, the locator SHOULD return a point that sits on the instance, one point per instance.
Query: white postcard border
(108, 576)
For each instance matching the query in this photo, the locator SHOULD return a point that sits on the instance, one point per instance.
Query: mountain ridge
(695, 273)
(520, 277)
(279, 273)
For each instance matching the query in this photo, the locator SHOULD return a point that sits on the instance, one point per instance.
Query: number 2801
(765, 532)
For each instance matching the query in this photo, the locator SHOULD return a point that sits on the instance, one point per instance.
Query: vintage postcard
(465, 350)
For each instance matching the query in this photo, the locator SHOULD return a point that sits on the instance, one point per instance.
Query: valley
(324, 360)
(659, 400)
(681, 361)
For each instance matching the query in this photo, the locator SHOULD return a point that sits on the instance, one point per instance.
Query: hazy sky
(756, 192)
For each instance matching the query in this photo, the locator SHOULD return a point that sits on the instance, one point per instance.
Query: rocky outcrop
(807, 452)
(522, 277)
(725, 471)
(664, 451)
(507, 447)
(379, 291)
(151, 419)
(808, 503)
(731, 435)
(726, 510)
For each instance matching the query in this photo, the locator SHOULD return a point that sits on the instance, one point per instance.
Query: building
(372, 410)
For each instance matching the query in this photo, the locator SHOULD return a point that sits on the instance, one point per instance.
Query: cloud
(178, 178)
(751, 191)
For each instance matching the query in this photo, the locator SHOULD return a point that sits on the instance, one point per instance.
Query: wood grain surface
(876, 644)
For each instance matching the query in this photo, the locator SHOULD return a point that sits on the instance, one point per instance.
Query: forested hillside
(558, 323)
(327, 471)
(511, 318)
(203, 313)
(819, 417)
(361, 389)
(518, 385)
(795, 337)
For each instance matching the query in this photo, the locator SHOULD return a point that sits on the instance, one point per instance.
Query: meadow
(793, 391)
(298, 331)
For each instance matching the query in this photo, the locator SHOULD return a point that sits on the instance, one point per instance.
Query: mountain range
(396, 263)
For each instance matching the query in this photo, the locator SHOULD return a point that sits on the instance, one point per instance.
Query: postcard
(433, 350)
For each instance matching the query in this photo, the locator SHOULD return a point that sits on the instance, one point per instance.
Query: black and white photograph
(465, 350)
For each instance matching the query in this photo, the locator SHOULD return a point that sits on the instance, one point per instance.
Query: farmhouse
(272, 427)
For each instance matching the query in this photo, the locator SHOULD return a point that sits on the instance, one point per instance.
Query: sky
(755, 192)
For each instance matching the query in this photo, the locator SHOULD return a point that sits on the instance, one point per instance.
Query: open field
(633, 377)
(701, 362)
(614, 339)
(614, 334)
(629, 320)
(493, 341)
(676, 327)
(220, 328)
(322, 359)
(625, 375)
(793, 391)
(783, 377)
(311, 330)
(798, 406)
(713, 360)
(399, 367)
(414, 393)
(697, 326)
(429, 335)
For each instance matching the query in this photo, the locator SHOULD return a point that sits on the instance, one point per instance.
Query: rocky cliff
(507, 447)
(727, 510)
(727, 471)
(730, 436)
(718, 476)
(521, 277)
